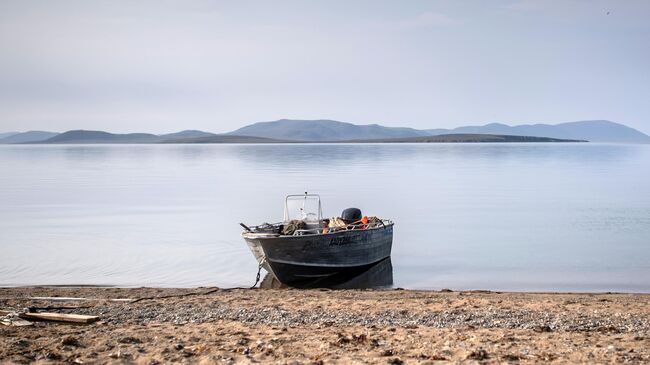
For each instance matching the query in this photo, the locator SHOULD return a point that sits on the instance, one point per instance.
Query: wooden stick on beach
(60, 317)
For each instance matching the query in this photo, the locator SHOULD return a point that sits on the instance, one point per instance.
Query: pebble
(70, 341)
(129, 340)
(479, 354)
(541, 321)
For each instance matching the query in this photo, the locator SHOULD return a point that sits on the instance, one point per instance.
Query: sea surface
(521, 217)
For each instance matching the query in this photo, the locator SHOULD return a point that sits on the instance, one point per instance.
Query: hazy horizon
(162, 67)
(209, 131)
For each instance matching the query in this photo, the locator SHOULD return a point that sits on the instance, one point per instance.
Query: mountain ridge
(224, 138)
(188, 133)
(7, 134)
(468, 138)
(322, 130)
(327, 130)
(27, 137)
(591, 130)
(88, 136)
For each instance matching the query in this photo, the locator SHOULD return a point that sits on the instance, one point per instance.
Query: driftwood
(60, 317)
(15, 322)
(9, 318)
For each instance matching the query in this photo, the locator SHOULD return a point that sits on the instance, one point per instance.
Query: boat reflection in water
(377, 275)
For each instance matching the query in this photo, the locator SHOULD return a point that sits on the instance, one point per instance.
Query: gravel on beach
(285, 326)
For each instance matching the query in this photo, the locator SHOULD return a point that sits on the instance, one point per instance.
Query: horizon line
(322, 119)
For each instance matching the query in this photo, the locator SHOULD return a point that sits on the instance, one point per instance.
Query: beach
(286, 326)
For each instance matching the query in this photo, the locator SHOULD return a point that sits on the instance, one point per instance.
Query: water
(547, 217)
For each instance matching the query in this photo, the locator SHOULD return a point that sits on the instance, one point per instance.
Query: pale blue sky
(162, 66)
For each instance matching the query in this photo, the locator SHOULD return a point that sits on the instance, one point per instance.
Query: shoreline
(443, 290)
(207, 325)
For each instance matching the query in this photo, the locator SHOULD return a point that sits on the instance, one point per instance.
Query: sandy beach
(285, 326)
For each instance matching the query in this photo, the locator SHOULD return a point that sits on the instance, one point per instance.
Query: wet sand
(288, 326)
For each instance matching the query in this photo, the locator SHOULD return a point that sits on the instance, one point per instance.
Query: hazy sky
(161, 66)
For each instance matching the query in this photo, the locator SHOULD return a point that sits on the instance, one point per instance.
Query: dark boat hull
(377, 275)
(295, 260)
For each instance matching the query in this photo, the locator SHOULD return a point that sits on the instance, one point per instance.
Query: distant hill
(330, 130)
(186, 134)
(189, 136)
(445, 138)
(286, 130)
(27, 137)
(7, 134)
(466, 138)
(322, 130)
(224, 138)
(591, 130)
(82, 136)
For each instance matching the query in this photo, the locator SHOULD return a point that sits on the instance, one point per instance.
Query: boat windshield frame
(305, 197)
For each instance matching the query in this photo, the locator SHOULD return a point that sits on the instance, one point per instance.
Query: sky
(163, 66)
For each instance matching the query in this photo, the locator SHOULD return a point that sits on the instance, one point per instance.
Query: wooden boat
(316, 251)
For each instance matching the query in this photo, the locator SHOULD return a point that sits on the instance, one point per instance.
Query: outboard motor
(350, 215)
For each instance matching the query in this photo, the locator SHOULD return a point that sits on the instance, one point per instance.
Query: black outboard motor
(350, 215)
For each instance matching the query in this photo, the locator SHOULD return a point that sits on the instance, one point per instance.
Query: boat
(306, 249)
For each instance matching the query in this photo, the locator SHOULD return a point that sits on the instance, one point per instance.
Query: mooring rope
(259, 272)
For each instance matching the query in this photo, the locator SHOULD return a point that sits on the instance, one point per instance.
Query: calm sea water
(548, 217)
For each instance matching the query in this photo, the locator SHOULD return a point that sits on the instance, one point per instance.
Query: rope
(207, 292)
(257, 280)
(259, 272)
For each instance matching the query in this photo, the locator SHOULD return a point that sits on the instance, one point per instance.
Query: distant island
(331, 131)
(99, 137)
(466, 138)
